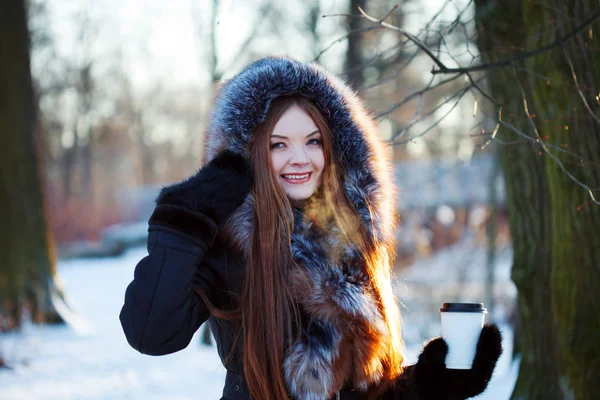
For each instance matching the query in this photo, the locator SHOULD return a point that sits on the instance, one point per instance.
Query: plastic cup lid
(463, 307)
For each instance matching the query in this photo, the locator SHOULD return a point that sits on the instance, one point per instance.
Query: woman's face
(297, 153)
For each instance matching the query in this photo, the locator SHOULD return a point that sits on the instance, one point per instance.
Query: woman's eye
(315, 141)
(277, 145)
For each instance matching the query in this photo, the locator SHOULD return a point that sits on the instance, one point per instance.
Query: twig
(435, 124)
(489, 66)
(579, 92)
(512, 142)
(392, 77)
(545, 148)
(408, 35)
(403, 131)
(389, 13)
(522, 56)
(415, 94)
(518, 132)
(380, 57)
(538, 141)
(368, 28)
(546, 78)
(496, 129)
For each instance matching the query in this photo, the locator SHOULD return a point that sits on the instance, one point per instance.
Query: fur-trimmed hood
(243, 102)
(345, 329)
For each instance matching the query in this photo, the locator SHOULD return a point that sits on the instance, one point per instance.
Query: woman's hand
(433, 381)
(216, 191)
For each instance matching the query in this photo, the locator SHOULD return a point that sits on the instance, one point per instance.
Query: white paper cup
(461, 327)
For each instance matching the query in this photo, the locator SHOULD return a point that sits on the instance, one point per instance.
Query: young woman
(283, 241)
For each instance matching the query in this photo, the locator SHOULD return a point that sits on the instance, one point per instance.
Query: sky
(156, 42)
(162, 39)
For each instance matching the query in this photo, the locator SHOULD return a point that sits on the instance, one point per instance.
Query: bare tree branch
(503, 63)
(424, 42)
(415, 94)
(523, 56)
(548, 79)
(436, 123)
(545, 148)
(579, 92)
(408, 35)
(403, 131)
(353, 32)
(389, 13)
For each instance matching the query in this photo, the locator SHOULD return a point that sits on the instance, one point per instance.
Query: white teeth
(297, 177)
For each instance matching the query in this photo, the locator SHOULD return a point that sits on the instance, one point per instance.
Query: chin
(298, 193)
(298, 197)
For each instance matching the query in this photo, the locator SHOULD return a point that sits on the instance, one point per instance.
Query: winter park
(300, 200)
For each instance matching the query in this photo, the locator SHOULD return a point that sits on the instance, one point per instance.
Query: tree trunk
(147, 160)
(354, 50)
(27, 264)
(67, 164)
(491, 233)
(552, 222)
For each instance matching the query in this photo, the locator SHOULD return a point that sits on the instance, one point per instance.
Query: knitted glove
(433, 381)
(216, 190)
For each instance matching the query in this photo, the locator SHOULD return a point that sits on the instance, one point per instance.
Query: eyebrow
(285, 137)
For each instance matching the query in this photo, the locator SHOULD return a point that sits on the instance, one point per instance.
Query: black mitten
(216, 191)
(433, 381)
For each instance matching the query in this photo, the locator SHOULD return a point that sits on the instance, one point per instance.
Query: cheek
(277, 162)
(320, 161)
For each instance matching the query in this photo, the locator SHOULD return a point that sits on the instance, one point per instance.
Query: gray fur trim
(243, 102)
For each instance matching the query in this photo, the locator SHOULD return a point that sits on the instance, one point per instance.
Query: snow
(90, 359)
(94, 361)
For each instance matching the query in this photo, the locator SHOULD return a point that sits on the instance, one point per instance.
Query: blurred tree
(78, 158)
(27, 262)
(354, 50)
(311, 25)
(552, 101)
(264, 21)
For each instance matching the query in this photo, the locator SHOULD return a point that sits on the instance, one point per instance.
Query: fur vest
(343, 334)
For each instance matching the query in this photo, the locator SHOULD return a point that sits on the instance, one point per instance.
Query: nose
(299, 157)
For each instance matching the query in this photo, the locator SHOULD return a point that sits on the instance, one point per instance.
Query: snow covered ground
(91, 359)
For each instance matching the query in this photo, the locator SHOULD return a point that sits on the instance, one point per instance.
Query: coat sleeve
(162, 311)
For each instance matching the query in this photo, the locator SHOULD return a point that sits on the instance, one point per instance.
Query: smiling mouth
(297, 178)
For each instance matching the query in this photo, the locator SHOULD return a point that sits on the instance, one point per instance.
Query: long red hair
(267, 308)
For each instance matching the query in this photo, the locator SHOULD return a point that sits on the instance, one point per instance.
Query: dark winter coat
(189, 252)
(162, 311)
